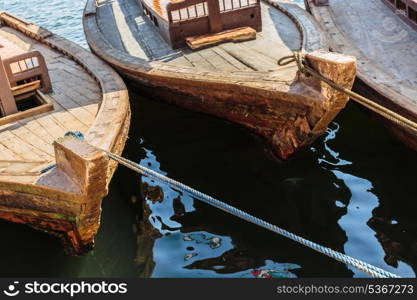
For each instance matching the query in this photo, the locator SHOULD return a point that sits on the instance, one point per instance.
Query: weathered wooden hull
(66, 200)
(286, 108)
(405, 135)
(384, 86)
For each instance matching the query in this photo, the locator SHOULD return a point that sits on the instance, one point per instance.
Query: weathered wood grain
(88, 96)
(240, 82)
(385, 49)
(234, 35)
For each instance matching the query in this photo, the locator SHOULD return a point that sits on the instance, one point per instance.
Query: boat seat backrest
(177, 20)
(26, 67)
(21, 75)
(7, 102)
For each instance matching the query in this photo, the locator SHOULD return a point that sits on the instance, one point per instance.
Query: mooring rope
(300, 59)
(360, 265)
(75, 134)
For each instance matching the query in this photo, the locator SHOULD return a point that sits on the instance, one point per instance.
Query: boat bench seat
(190, 9)
(233, 35)
(21, 74)
(177, 20)
(26, 88)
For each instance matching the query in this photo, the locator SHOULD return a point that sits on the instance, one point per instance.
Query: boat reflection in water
(317, 195)
(349, 192)
(354, 193)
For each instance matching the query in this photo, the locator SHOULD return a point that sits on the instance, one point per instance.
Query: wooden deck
(138, 37)
(26, 145)
(240, 82)
(386, 49)
(380, 35)
(88, 96)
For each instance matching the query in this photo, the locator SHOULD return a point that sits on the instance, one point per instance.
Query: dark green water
(354, 190)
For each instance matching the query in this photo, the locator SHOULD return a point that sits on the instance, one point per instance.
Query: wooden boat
(50, 86)
(385, 47)
(238, 81)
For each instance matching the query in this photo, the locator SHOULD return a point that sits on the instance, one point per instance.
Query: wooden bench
(177, 20)
(21, 75)
(233, 35)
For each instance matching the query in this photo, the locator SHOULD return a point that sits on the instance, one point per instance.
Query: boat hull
(65, 199)
(288, 109)
(405, 135)
(378, 77)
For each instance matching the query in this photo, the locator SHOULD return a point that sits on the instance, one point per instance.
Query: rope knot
(75, 134)
(298, 57)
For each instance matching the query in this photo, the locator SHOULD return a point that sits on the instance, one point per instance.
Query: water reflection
(63, 17)
(353, 191)
(359, 211)
(318, 195)
(182, 251)
(290, 194)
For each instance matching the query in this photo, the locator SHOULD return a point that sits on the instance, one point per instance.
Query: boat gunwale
(130, 64)
(388, 90)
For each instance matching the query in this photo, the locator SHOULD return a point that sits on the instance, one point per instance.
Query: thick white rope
(360, 265)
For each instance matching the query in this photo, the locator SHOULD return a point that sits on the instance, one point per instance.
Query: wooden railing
(186, 9)
(178, 19)
(226, 5)
(189, 9)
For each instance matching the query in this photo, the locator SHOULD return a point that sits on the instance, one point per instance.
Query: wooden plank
(90, 8)
(67, 121)
(20, 179)
(18, 168)
(37, 145)
(5, 153)
(198, 60)
(233, 35)
(219, 62)
(127, 36)
(35, 128)
(63, 78)
(24, 96)
(269, 48)
(7, 102)
(21, 139)
(20, 149)
(181, 61)
(26, 88)
(230, 59)
(50, 125)
(27, 113)
(78, 113)
(250, 58)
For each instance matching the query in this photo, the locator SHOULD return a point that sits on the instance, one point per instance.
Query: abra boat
(220, 57)
(374, 32)
(49, 87)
